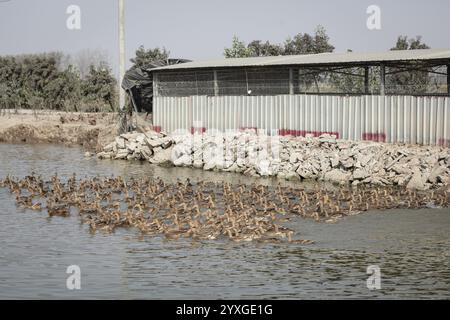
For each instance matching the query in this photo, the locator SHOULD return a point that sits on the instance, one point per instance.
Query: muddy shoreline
(324, 159)
(88, 130)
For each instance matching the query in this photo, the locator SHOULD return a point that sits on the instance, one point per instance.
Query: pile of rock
(151, 146)
(295, 158)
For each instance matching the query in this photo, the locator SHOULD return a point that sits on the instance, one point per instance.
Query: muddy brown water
(411, 247)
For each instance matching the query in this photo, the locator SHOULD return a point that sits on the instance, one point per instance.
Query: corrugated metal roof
(321, 58)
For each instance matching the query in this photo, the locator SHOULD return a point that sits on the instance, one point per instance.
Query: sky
(201, 29)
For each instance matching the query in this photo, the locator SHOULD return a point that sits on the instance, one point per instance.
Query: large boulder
(121, 154)
(337, 176)
(183, 161)
(104, 155)
(306, 171)
(263, 167)
(146, 152)
(120, 143)
(436, 174)
(130, 136)
(417, 181)
(360, 174)
(180, 150)
(162, 157)
(109, 147)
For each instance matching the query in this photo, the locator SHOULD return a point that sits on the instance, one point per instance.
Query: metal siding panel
(392, 120)
(426, 115)
(332, 114)
(387, 110)
(419, 117)
(340, 115)
(400, 115)
(414, 109)
(439, 116)
(322, 116)
(344, 118)
(435, 120)
(407, 119)
(432, 121)
(446, 119)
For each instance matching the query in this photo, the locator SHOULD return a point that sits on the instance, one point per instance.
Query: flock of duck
(206, 210)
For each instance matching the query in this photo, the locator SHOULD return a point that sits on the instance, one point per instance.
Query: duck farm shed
(396, 96)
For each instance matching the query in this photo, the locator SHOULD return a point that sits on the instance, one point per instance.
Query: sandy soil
(89, 130)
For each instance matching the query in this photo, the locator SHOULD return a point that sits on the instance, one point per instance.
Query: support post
(246, 82)
(291, 81)
(155, 85)
(299, 81)
(216, 84)
(366, 80)
(382, 79)
(448, 78)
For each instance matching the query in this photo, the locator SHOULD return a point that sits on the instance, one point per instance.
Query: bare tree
(84, 59)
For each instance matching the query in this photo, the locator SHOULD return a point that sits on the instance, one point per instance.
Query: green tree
(409, 82)
(300, 44)
(259, 49)
(36, 81)
(99, 88)
(403, 43)
(238, 49)
(303, 43)
(64, 91)
(145, 57)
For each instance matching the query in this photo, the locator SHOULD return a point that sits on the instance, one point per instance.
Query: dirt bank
(89, 130)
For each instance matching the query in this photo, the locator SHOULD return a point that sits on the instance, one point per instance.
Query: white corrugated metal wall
(408, 119)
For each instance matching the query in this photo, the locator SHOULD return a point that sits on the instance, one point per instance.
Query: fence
(278, 80)
(404, 119)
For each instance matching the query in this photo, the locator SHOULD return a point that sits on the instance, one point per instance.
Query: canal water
(411, 248)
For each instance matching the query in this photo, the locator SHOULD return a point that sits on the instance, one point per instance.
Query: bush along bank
(323, 158)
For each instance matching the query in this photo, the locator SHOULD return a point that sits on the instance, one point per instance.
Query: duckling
(60, 211)
(24, 201)
(300, 241)
(285, 219)
(246, 238)
(269, 240)
(107, 228)
(315, 215)
(207, 209)
(37, 207)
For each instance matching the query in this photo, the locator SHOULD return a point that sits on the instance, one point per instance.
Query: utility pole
(121, 52)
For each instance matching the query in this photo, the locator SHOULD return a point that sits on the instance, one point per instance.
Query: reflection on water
(412, 249)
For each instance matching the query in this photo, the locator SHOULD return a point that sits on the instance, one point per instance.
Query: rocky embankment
(89, 130)
(294, 158)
